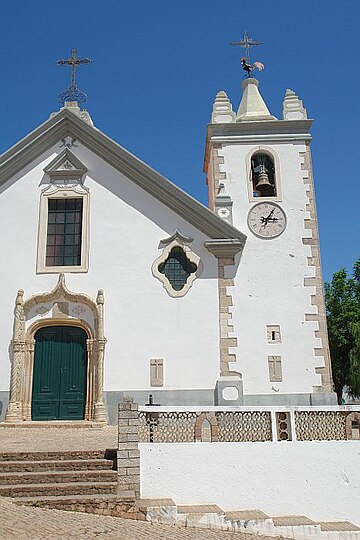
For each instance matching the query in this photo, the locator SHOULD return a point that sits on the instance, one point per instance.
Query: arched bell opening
(263, 176)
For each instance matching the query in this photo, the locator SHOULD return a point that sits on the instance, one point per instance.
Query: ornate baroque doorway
(59, 374)
(49, 356)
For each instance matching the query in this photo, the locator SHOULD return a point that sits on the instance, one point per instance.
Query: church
(116, 282)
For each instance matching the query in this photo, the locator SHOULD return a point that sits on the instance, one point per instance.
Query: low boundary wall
(289, 460)
(318, 479)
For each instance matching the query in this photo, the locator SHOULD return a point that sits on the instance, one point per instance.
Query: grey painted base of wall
(160, 397)
(277, 399)
(206, 397)
(328, 398)
(201, 397)
(4, 400)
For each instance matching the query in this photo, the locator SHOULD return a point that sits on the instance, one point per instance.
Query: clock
(267, 220)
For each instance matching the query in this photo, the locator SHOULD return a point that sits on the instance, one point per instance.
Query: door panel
(73, 375)
(59, 375)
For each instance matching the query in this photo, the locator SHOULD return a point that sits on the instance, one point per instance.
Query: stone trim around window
(177, 241)
(58, 192)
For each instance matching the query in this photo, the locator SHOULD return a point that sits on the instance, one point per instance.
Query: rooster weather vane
(73, 93)
(247, 43)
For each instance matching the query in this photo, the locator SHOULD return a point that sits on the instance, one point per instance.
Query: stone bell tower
(260, 179)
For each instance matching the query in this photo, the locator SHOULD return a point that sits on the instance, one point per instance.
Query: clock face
(267, 220)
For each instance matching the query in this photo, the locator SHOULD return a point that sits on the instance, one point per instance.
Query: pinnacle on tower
(252, 107)
(293, 107)
(222, 109)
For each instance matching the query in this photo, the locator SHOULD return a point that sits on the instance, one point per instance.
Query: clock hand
(269, 216)
(265, 220)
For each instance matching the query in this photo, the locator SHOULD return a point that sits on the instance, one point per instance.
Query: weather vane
(73, 93)
(247, 43)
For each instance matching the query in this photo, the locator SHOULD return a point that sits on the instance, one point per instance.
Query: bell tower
(260, 179)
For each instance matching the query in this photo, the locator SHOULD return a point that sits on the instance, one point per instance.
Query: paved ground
(56, 439)
(28, 523)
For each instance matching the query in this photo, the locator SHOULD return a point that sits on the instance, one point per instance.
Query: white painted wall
(318, 479)
(141, 320)
(269, 285)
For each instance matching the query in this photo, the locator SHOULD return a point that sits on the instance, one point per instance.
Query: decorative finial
(73, 93)
(247, 42)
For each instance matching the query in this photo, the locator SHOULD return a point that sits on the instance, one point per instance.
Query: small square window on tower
(275, 369)
(273, 333)
(156, 372)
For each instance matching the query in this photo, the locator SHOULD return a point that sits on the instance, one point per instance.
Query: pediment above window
(66, 168)
(178, 237)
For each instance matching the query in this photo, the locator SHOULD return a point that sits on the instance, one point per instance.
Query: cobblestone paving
(27, 523)
(47, 439)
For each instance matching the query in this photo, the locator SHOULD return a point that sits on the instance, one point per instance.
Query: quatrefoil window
(177, 266)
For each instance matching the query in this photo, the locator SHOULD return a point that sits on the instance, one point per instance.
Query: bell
(263, 185)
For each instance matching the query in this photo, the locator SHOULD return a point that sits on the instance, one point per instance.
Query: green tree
(342, 297)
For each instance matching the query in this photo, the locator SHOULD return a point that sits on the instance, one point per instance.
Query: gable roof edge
(121, 159)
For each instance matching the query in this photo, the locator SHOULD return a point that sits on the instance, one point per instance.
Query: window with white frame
(63, 238)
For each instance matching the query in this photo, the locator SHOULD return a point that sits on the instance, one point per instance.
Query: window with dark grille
(64, 229)
(177, 268)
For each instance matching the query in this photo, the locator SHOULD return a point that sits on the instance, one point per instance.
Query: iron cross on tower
(73, 93)
(247, 43)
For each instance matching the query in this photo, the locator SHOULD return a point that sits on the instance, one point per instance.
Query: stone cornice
(253, 132)
(66, 123)
(284, 127)
(224, 248)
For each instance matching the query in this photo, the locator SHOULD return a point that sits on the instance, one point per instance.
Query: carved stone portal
(23, 346)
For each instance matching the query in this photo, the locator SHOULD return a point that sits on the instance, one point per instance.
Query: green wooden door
(59, 375)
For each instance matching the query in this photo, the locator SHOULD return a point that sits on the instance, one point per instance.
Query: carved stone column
(99, 406)
(14, 412)
(89, 408)
(28, 377)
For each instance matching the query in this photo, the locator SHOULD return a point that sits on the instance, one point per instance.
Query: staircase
(212, 516)
(84, 481)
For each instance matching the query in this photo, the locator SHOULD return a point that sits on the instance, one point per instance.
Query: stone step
(42, 501)
(108, 504)
(292, 521)
(51, 477)
(47, 456)
(58, 489)
(53, 465)
(60, 424)
(199, 509)
(212, 516)
(337, 526)
(246, 515)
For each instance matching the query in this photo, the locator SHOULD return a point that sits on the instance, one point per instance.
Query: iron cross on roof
(247, 43)
(73, 93)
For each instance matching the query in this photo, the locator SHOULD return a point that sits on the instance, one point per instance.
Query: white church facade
(115, 282)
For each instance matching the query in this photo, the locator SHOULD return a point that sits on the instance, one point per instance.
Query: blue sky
(157, 65)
